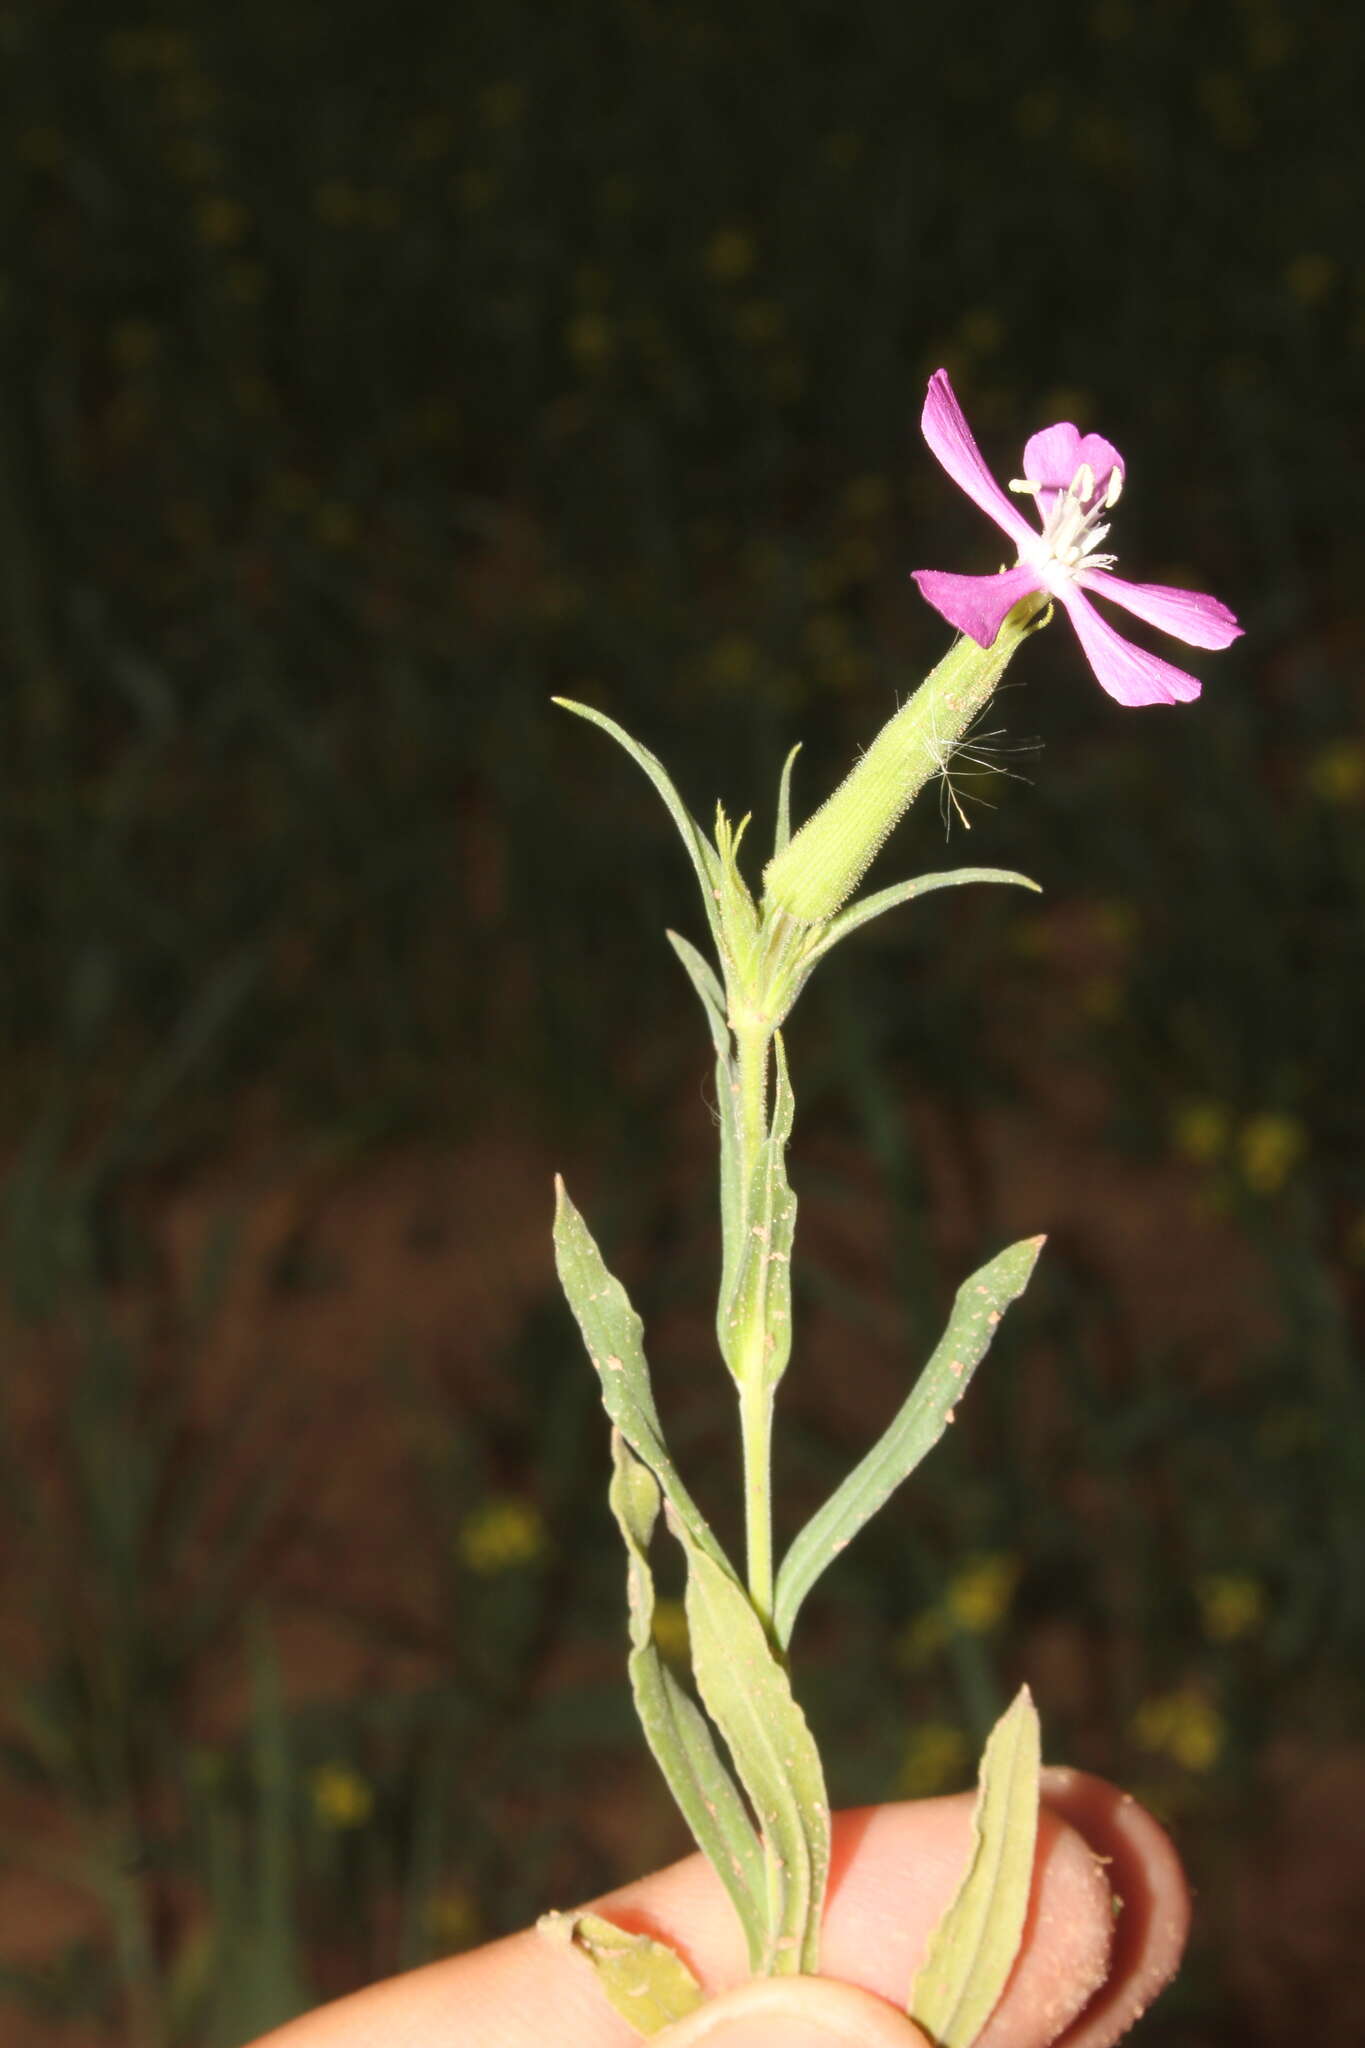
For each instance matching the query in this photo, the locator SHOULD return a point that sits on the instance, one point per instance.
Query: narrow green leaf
(647, 1983)
(906, 892)
(614, 1336)
(756, 1317)
(928, 1409)
(675, 1730)
(972, 1950)
(784, 802)
(694, 839)
(712, 995)
(748, 1695)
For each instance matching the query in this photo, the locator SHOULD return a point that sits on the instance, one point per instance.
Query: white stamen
(1111, 496)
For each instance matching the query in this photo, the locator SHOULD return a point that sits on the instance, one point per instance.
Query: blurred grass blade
(979, 1305)
(694, 839)
(278, 1987)
(907, 892)
(748, 1695)
(784, 802)
(646, 1982)
(675, 1730)
(972, 1950)
(614, 1334)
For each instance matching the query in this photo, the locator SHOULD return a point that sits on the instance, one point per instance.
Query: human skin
(1086, 1970)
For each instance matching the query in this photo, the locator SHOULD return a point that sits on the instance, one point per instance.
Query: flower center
(1073, 520)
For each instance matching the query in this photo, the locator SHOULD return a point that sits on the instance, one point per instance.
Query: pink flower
(1075, 479)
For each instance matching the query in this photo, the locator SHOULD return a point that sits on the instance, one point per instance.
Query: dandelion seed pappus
(982, 752)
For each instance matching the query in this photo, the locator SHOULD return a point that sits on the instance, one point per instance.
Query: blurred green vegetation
(362, 383)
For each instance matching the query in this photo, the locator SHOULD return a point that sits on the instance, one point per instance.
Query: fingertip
(795, 2012)
(1151, 1900)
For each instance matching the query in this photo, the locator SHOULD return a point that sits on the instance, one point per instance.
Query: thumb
(794, 2012)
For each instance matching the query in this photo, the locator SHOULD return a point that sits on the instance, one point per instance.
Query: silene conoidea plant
(755, 1798)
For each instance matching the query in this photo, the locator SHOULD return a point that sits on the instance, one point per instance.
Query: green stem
(756, 1425)
(753, 1042)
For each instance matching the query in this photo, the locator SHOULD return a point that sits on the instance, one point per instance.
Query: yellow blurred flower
(1269, 1146)
(981, 330)
(341, 1797)
(866, 497)
(1222, 94)
(195, 160)
(1116, 922)
(134, 344)
(759, 320)
(245, 282)
(1231, 1604)
(1310, 277)
(504, 103)
(1035, 114)
(380, 209)
(1290, 1427)
(500, 1536)
(1336, 773)
(1111, 20)
(453, 1917)
(936, 1756)
(979, 1595)
(1183, 1725)
(42, 146)
(617, 195)
(1101, 997)
(735, 660)
(670, 1630)
(590, 340)
(221, 222)
(787, 378)
(921, 1640)
(1269, 42)
(1201, 1131)
(842, 149)
(429, 137)
(558, 599)
(729, 255)
(335, 201)
(336, 525)
(473, 189)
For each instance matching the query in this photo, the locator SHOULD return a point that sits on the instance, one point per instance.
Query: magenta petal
(1190, 615)
(1053, 455)
(950, 438)
(1128, 673)
(977, 604)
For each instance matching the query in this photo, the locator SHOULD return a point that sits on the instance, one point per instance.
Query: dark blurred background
(364, 379)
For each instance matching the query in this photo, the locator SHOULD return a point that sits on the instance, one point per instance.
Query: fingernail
(794, 2012)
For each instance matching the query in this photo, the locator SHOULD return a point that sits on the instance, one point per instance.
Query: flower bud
(824, 862)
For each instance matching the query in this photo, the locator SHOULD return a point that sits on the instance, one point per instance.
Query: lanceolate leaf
(926, 1413)
(694, 839)
(756, 1319)
(614, 1334)
(906, 892)
(676, 1732)
(972, 1950)
(749, 1697)
(646, 1982)
(784, 802)
(712, 995)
